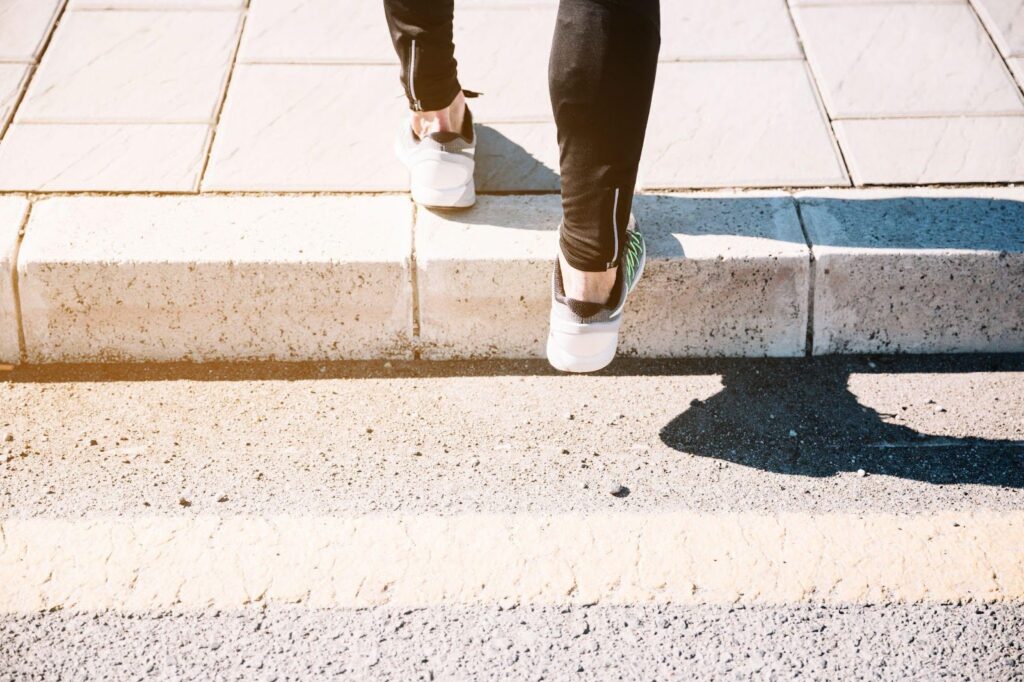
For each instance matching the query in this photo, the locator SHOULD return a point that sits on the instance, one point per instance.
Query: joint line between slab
(809, 342)
(818, 95)
(414, 284)
(995, 46)
(34, 69)
(212, 136)
(16, 285)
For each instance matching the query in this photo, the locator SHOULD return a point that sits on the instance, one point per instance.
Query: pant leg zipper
(615, 229)
(412, 78)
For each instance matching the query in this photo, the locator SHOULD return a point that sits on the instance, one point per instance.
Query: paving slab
(489, 39)
(316, 31)
(725, 276)
(934, 150)
(738, 124)
(503, 53)
(504, 3)
(905, 60)
(488, 33)
(1005, 21)
(739, 29)
(816, 3)
(489, 48)
(103, 157)
(12, 217)
(133, 67)
(293, 127)
(25, 26)
(156, 4)
(517, 157)
(354, 32)
(12, 80)
(917, 271)
(203, 278)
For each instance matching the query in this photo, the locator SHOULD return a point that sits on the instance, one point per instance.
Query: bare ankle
(592, 287)
(447, 120)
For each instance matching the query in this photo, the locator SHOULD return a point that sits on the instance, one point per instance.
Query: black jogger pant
(601, 76)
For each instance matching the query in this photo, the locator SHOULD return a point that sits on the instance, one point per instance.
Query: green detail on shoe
(632, 254)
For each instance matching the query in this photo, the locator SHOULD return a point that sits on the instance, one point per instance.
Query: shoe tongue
(466, 134)
(444, 138)
(584, 308)
(616, 293)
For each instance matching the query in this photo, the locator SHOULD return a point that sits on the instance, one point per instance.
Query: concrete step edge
(762, 273)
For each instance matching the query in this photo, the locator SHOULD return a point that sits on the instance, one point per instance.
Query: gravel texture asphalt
(446, 438)
(890, 642)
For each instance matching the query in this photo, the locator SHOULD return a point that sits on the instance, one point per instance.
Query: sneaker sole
(561, 356)
(454, 197)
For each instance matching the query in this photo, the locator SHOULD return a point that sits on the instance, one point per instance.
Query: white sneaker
(440, 165)
(584, 336)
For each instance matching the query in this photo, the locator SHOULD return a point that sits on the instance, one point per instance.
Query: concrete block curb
(216, 278)
(12, 216)
(726, 275)
(198, 278)
(484, 277)
(917, 271)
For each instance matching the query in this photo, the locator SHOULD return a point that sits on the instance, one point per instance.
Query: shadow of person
(801, 418)
(525, 164)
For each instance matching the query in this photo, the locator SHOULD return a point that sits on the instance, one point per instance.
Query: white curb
(208, 278)
(917, 271)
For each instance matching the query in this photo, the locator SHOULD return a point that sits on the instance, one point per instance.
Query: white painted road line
(197, 562)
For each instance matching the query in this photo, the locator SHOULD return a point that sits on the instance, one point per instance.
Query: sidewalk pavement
(229, 105)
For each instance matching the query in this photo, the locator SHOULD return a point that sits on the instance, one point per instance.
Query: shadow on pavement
(749, 422)
(981, 225)
(503, 165)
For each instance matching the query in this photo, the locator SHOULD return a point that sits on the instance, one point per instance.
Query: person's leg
(601, 76)
(437, 142)
(421, 31)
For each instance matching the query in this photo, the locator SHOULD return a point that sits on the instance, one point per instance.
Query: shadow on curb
(747, 422)
(813, 370)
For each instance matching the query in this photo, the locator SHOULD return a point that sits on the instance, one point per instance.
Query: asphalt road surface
(892, 442)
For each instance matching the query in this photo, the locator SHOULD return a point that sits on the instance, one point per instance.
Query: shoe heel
(590, 352)
(452, 197)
